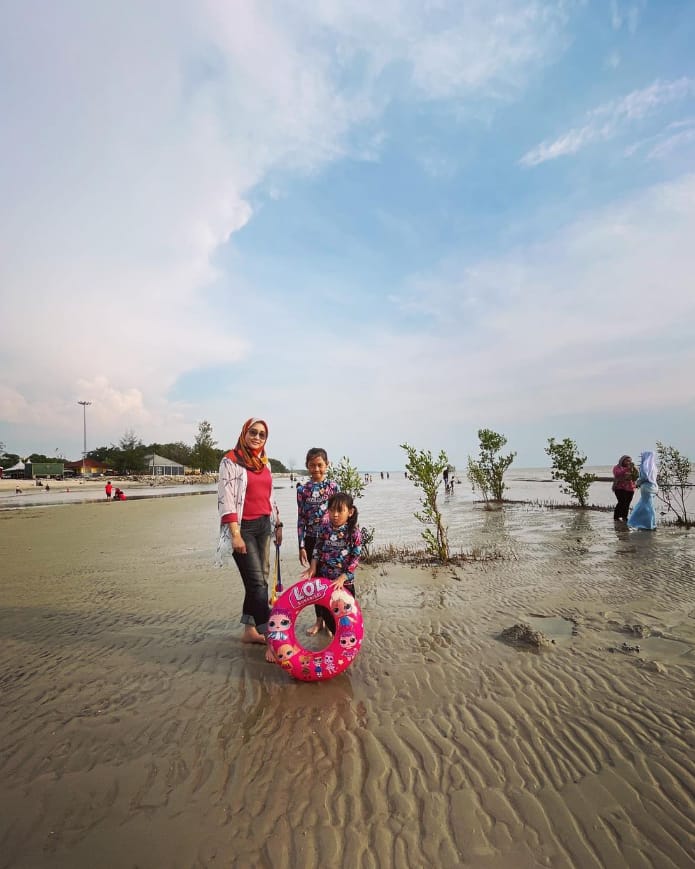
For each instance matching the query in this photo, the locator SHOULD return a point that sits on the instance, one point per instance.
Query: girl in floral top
(312, 500)
(338, 547)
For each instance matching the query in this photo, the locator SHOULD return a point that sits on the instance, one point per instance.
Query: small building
(160, 466)
(89, 466)
(16, 472)
(35, 470)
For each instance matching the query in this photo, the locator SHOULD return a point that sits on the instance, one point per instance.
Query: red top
(623, 478)
(259, 488)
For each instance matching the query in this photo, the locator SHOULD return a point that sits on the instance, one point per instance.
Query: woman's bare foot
(270, 656)
(251, 635)
(315, 628)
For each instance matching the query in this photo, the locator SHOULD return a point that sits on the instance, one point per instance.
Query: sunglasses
(255, 433)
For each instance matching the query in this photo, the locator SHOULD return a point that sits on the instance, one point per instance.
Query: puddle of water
(554, 627)
(656, 648)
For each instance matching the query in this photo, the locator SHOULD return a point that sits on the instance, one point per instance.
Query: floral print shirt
(622, 479)
(337, 551)
(312, 503)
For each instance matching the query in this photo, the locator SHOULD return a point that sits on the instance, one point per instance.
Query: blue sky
(367, 223)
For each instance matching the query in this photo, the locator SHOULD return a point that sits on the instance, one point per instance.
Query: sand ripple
(136, 730)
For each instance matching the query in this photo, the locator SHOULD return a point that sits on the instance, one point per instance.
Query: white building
(160, 466)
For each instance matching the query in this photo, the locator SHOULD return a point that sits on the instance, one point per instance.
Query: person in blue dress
(643, 515)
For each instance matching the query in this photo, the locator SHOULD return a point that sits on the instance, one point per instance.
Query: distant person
(337, 551)
(108, 488)
(643, 515)
(312, 503)
(624, 487)
(119, 495)
(248, 512)
(445, 474)
(48, 488)
(17, 490)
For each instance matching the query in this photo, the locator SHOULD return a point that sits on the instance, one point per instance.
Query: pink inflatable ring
(302, 663)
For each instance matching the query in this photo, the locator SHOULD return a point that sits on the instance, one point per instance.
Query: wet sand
(136, 731)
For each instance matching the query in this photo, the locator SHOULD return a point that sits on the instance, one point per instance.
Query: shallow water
(554, 627)
(389, 505)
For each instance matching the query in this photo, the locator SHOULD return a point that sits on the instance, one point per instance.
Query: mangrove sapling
(478, 479)
(425, 473)
(349, 480)
(673, 479)
(487, 473)
(567, 467)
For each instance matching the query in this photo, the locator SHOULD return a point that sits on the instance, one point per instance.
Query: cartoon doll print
(304, 661)
(343, 607)
(284, 653)
(278, 625)
(348, 645)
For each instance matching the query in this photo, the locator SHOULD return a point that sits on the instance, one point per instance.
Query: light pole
(85, 405)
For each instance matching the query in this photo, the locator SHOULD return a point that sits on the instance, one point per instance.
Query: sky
(367, 223)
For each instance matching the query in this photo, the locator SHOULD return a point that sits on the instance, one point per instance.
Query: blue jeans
(254, 568)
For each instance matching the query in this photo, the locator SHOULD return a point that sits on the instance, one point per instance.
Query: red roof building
(90, 466)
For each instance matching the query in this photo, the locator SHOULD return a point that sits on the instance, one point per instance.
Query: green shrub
(487, 473)
(673, 479)
(425, 473)
(567, 467)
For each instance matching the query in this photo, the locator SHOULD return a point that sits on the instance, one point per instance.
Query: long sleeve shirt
(312, 502)
(337, 551)
(623, 478)
(231, 493)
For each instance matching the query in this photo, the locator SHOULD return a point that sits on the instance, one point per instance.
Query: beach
(137, 731)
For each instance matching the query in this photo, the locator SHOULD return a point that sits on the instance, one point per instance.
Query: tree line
(128, 455)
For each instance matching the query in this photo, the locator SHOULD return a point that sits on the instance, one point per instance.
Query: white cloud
(673, 138)
(592, 321)
(562, 325)
(627, 14)
(478, 49)
(608, 120)
(669, 144)
(613, 60)
(132, 142)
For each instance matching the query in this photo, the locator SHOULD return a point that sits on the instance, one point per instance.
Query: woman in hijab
(643, 515)
(624, 488)
(248, 518)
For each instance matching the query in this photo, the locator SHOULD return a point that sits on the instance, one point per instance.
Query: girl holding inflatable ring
(338, 548)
